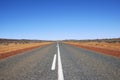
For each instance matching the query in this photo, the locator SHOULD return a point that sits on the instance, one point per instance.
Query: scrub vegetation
(10, 47)
(106, 46)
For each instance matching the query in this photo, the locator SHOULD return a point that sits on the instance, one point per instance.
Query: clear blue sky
(59, 19)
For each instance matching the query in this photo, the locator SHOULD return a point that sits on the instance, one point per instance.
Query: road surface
(60, 62)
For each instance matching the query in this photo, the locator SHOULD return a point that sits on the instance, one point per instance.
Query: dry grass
(12, 48)
(104, 47)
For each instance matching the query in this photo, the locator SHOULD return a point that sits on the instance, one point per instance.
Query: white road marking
(54, 63)
(60, 70)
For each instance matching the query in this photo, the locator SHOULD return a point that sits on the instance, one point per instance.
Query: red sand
(7, 54)
(102, 50)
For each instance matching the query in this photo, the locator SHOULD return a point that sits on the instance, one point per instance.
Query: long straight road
(60, 61)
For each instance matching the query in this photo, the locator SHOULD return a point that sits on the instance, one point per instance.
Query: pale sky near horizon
(59, 19)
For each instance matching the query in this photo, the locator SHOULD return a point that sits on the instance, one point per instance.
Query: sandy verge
(12, 49)
(103, 47)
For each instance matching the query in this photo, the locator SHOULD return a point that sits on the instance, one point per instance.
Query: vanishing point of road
(60, 61)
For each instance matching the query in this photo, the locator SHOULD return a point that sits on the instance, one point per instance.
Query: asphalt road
(71, 63)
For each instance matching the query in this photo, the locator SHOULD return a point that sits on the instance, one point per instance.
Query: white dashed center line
(54, 63)
(60, 70)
